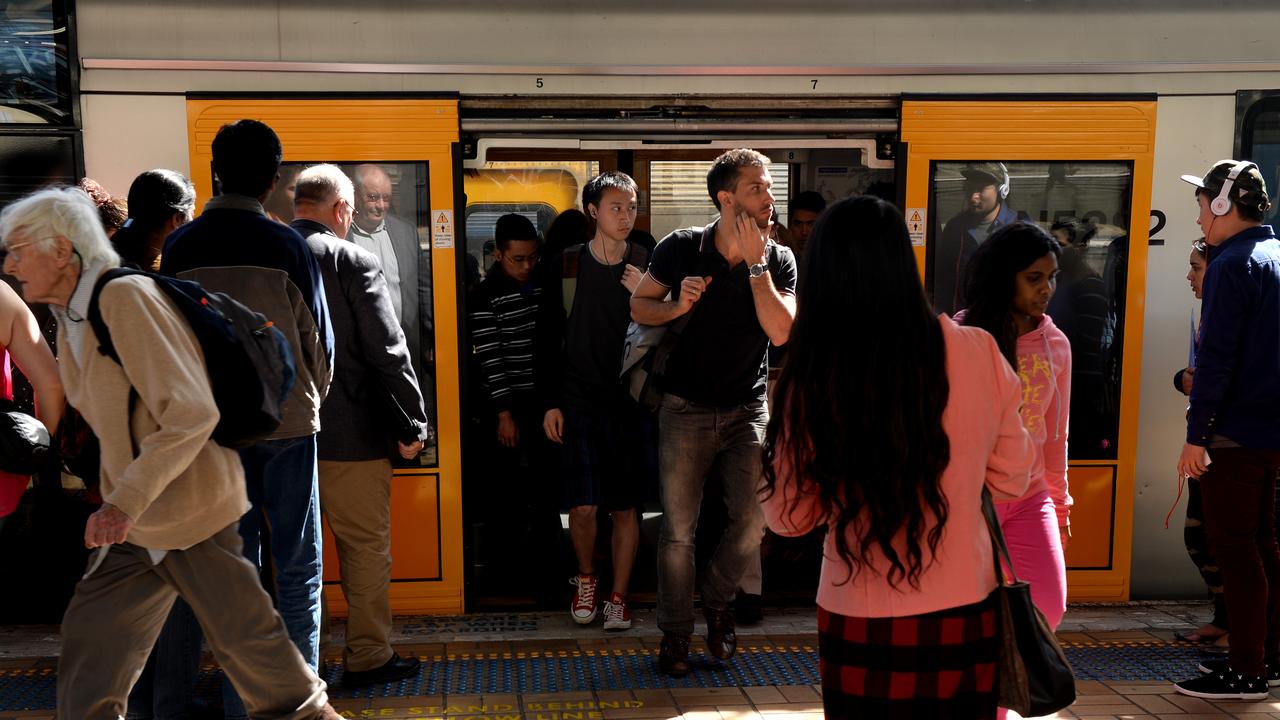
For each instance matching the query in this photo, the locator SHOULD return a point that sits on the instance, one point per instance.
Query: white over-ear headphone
(1221, 205)
(1003, 187)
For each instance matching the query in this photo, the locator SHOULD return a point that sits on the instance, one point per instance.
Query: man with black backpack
(600, 429)
(234, 248)
(172, 495)
(733, 289)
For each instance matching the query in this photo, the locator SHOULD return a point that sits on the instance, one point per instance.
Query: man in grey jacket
(373, 403)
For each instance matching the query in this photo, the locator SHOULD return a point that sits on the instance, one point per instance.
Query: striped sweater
(504, 319)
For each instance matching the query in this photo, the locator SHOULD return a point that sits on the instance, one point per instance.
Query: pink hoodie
(1044, 366)
(989, 448)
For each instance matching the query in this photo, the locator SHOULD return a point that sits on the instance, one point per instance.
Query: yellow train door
(1083, 168)
(413, 144)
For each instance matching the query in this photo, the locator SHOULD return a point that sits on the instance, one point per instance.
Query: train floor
(541, 666)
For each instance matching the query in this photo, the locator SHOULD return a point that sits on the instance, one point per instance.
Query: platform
(540, 666)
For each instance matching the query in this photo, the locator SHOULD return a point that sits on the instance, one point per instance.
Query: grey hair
(45, 215)
(322, 183)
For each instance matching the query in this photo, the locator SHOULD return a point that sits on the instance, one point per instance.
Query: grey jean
(117, 612)
(694, 440)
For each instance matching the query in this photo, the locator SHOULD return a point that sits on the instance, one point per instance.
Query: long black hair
(858, 407)
(991, 280)
(154, 198)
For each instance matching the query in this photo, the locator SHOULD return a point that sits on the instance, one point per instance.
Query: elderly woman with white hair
(172, 497)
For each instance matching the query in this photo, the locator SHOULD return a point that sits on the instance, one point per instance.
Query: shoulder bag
(1033, 676)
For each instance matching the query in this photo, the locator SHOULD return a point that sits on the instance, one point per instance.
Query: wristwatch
(757, 270)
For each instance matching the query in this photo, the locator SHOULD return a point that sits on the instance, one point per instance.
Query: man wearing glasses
(404, 264)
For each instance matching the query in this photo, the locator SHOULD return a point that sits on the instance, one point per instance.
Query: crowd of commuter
(892, 420)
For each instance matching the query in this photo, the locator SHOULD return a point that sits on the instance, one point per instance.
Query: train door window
(1260, 142)
(391, 220)
(33, 161)
(539, 190)
(678, 194)
(1085, 206)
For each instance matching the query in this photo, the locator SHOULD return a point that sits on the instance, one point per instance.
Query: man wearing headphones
(986, 186)
(1233, 424)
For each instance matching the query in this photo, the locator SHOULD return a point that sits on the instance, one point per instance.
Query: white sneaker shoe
(617, 616)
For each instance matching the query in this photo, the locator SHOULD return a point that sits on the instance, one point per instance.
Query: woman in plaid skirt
(888, 423)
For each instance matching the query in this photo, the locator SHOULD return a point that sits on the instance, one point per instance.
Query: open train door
(1084, 165)
(410, 146)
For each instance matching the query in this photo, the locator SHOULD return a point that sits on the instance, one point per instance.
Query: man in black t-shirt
(740, 288)
(598, 427)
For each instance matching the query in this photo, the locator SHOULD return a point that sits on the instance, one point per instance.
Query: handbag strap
(998, 547)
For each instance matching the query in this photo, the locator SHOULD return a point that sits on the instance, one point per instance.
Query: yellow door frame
(427, 569)
(1063, 130)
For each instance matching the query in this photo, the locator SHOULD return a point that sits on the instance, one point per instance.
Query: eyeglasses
(375, 197)
(12, 250)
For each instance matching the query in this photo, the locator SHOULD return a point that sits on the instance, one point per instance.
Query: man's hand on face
(108, 526)
(744, 233)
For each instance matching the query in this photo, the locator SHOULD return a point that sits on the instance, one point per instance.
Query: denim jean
(695, 440)
(283, 482)
(166, 687)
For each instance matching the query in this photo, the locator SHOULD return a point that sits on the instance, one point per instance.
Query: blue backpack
(249, 361)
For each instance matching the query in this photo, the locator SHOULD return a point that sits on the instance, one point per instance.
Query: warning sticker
(442, 229)
(916, 220)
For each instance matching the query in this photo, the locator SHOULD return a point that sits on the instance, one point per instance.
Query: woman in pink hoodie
(1011, 279)
(888, 424)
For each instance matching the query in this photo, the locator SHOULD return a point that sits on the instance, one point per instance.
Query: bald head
(325, 195)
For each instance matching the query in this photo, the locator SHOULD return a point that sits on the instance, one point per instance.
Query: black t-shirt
(596, 331)
(720, 359)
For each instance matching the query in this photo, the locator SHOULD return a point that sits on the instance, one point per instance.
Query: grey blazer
(417, 319)
(374, 399)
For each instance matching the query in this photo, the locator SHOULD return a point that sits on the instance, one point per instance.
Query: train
(1094, 108)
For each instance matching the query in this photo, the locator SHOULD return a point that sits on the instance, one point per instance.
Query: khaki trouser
(355, 498)
(118, 610)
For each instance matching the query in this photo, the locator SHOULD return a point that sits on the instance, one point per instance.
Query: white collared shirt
(378, 242)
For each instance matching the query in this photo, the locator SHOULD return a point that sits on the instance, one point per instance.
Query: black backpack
(250, 363)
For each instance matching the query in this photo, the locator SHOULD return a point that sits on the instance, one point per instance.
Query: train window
(539, 190)
(35, 64)
(1085, 205)
(391, 221)
(1260, 142)
(678, 194)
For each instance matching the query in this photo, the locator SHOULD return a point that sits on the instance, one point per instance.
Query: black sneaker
(673, 656)
(1227, 685)
(1209, 666)
(397, 668)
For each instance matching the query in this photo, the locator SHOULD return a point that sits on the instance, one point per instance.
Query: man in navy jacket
(1233, 423)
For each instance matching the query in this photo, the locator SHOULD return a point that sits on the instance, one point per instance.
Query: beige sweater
(182, 487)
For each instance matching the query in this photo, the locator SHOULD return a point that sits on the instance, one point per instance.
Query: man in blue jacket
(234, 248)
(986, 189)
(1233, 424)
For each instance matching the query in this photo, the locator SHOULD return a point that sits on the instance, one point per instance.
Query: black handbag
(24, 441)
(1033, 676)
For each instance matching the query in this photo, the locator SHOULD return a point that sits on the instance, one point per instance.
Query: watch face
(757, 270)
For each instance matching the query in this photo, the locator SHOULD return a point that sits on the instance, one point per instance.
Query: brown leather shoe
(673, 657)
(722, 641)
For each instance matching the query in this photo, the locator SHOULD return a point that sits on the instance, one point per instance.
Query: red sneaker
(617, 616)
(583, 608)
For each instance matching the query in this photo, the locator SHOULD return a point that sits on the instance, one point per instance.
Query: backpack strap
(100, 329)
(569, 262)
(638, 256)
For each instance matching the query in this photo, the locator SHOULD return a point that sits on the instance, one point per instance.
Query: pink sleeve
(1055, 446)
(790, 510)
(1010, 458)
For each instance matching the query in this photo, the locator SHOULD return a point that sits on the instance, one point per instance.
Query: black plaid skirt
(938, 665)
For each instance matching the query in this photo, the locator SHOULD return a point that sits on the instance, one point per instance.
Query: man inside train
(373, 408)
(729, 291)
(802, 213)
(234, 248)
(405, 265)
(1233, 424)
(986, 189)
